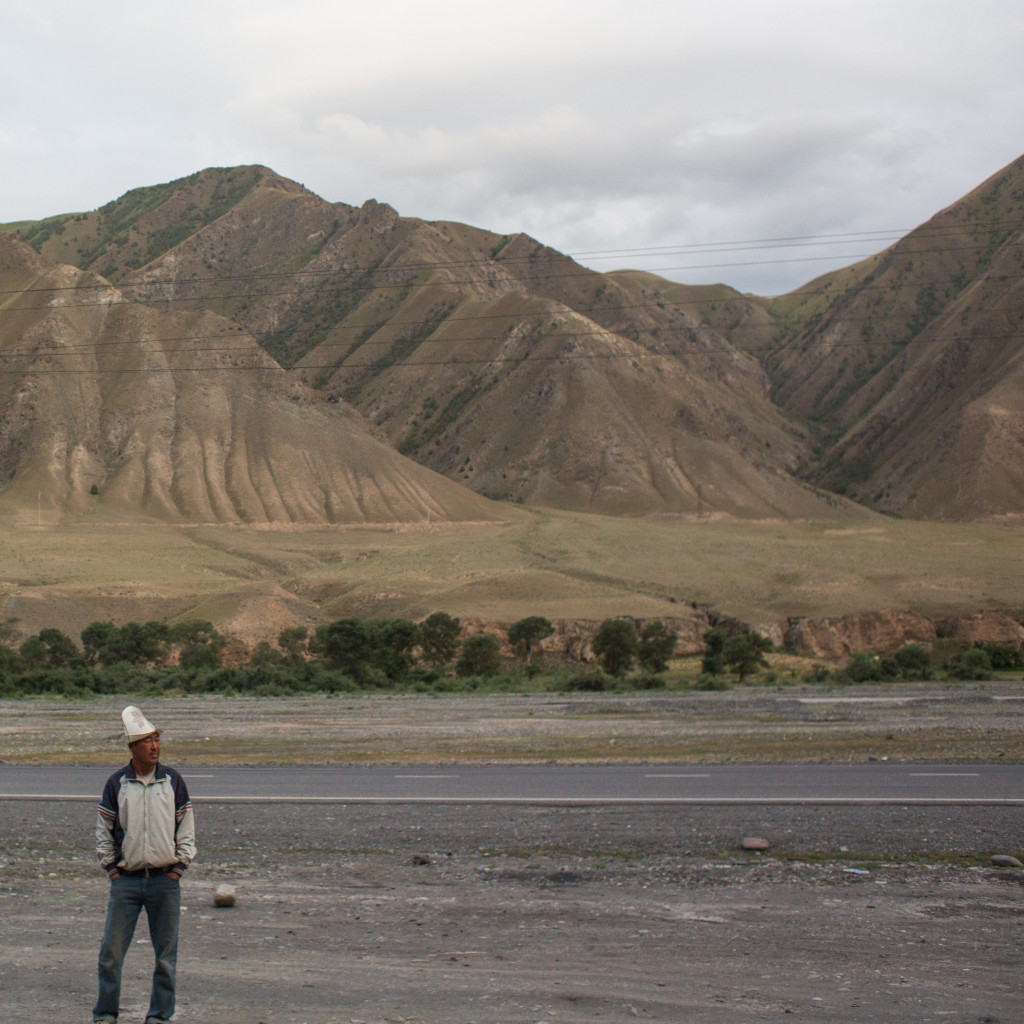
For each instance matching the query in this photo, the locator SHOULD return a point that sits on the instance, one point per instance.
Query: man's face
(146, 752)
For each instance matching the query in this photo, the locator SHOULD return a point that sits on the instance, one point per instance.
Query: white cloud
(591, 125)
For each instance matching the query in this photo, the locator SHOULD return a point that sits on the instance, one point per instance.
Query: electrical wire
(554, 256)
(516, 318)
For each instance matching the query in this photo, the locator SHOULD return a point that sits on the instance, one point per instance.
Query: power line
(157, 302)
(382, 363)
(533, 258)
(789, 242)
(519, 318)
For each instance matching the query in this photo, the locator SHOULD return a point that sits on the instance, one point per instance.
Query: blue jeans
(160, 895)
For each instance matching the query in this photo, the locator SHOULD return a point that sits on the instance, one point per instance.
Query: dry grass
(557, 564)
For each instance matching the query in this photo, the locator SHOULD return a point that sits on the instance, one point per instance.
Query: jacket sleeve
(184, 825)
(106, 819)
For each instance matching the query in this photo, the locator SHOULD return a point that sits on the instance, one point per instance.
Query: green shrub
(1002, 656)
(818, 674)
(974, 663)
(862, 668)
(711, 681)
(913, 662)
(648, 681)
(585, 682)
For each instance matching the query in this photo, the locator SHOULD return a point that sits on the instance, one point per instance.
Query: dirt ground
(364, 914)
(936, 722)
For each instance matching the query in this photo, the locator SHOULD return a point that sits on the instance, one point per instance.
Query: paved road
(721, 784)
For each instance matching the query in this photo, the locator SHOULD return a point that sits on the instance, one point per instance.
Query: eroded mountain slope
(492, 359)
(179, 415)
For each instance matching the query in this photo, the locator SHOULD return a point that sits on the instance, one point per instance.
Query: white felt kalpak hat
(136, 725)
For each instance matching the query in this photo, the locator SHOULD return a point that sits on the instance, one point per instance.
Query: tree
(10, 661)
(139, 643)
(293, 642)
(193, 631)
(32, 653)
(1002, 656)
(713, 663)
(200, 644)
(481, 656)
(50, 648)
(615, 643)
(98, 638)
(744, 653)
(265, 655)
(439, 639)
(657, 645)
(360, 647)
(345, 645)
(393, 643)
(526, 634)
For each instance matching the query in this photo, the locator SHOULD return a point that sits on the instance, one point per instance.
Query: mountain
(179, 415)
(908, 366)
(492, 359)
(911, 363)
(507, 367)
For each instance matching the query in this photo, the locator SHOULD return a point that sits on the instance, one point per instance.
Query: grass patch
(560, 565)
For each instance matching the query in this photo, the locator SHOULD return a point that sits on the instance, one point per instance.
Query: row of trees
(354, 654)
(191, 644)
(914, 661)
(393, 647)
(370, 651)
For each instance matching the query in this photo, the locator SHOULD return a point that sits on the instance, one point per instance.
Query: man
(145, 839)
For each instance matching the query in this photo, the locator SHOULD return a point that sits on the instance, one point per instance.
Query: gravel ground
(364, 914)
(907, 721)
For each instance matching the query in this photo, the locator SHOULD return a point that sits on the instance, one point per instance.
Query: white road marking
(944, 775)
(677, 775)
(426, 776)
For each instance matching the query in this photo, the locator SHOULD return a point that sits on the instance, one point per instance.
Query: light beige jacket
(142, 825)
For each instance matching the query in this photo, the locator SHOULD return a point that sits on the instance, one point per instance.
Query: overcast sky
(651, 133)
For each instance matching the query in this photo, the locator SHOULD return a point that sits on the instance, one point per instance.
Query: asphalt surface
(758, 784)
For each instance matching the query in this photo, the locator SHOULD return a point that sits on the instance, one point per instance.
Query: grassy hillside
(562, 565)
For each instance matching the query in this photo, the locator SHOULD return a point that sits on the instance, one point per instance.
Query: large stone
(1002, 860)
(225, 896)
(755, 843)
